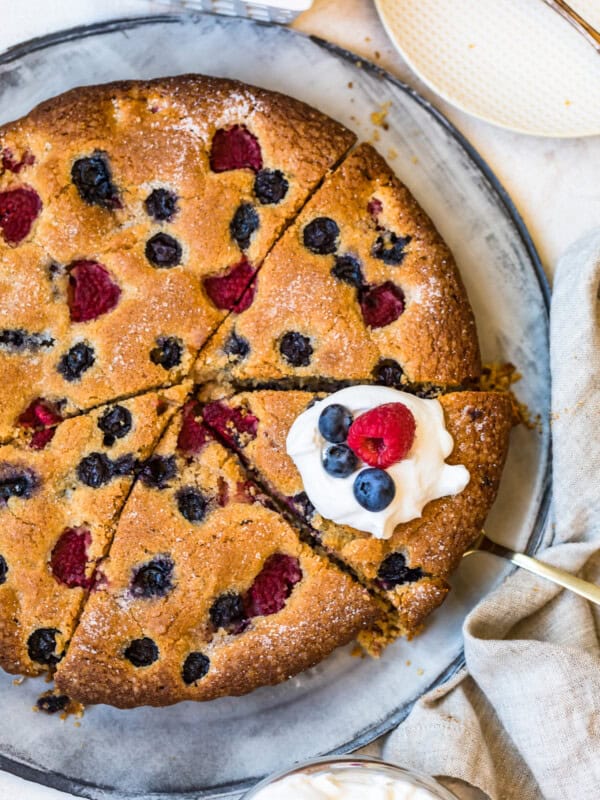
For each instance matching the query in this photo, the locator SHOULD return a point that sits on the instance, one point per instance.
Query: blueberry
(161, 205)
(51, 703)
(227, 611)
(339, 460)
(192, 504)
(236, 346)
(374, 489)
(168, 352)
(3, 570)
(76, 361)
(334, 422)
(270, 186)
(195, 667)
(95, 470)
(393, 571)
(41, 646)
(390, 248)
(92, 177)
(348, 269)
(18, 340)
(302, 505)
(153, 579)
(163, 251)
(388, 372)
(157, 471)
(115, 423)
(321, 236)
(141, 652)
(296, 349)
(16, 482)
(125, 465)
(244, 223)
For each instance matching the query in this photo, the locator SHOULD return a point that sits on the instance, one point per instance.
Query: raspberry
(233, 290)
(69, 558)
(92, 291)
(9, 160)
(40, 439)
(273, 585)
(383, 435)
(193, 435)
(39, 414)
(235, 148)
(381, 305)
(374, 207)
(19, 209)
(234, 425)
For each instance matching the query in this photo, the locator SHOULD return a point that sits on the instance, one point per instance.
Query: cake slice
(360, 288)
(138, 213)
(62, 486)
(207, 591)
(411, 568)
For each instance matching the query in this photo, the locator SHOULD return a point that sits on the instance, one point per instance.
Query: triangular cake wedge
(411, 568)
(62, 486)
(139, 212)
(360, 288)
(207, 590)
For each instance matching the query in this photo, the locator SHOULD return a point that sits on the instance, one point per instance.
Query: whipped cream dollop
(419, 478)
(351, 784)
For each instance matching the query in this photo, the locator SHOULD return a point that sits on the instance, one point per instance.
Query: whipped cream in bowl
(349, 778)
(417, 478)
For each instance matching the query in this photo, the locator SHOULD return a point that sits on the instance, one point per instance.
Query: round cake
(188, 265)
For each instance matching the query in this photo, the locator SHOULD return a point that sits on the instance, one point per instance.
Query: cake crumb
(350, 85)
(379, 118)
(392, 153)
(420, 671)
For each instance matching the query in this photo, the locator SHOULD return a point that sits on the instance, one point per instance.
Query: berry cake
(133, 217)
(207, 590)
(361, 287)
(412, 566)
(62, 485)
(191, 271)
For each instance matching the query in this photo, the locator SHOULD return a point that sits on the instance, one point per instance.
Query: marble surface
(554, 183)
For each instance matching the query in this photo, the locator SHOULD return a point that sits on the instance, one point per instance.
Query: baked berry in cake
(361, 287)
(207, 591)
(410, 567)
(126, 211)
(62, 485)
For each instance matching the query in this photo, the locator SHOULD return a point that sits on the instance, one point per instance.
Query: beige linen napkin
(522, 722)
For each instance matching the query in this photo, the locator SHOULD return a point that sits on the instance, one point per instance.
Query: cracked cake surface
(156, 541)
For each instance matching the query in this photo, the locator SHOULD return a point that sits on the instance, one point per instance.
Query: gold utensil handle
(577, 21)
(559, 576)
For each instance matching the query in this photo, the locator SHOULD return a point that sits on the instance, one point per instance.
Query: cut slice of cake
(360, 288)
(207, 590)
(138, 214)
(62, 486)
(412, 566)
